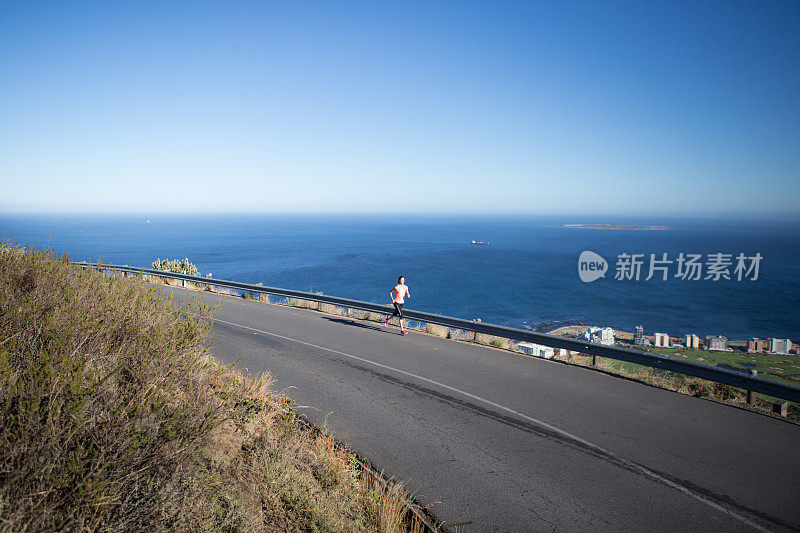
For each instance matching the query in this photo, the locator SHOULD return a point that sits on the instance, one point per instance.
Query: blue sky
(435, 107)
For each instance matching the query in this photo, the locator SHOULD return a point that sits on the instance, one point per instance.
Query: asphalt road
(503, 442)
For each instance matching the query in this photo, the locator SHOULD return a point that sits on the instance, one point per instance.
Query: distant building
(600, 335)
(638, 336)
(661, 340)
(692, 342)
(755, 345)
(537, 350)
(717, 343)
(781, 346)
(607, 336)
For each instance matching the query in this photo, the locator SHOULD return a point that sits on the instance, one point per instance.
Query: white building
(692, 342)
(600, 335)
(638, 337)
(661, 340)
(781, 346)
(718, 343)
(537, 350)
(756, 345)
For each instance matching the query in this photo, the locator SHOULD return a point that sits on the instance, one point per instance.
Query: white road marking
(541, 424)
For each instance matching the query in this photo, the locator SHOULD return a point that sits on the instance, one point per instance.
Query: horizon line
(5, 211)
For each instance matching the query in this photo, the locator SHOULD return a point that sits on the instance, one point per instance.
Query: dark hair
(398, 279)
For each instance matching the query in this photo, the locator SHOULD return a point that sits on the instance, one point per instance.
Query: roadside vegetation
(779, 368)
(681, 383)
(114, 417)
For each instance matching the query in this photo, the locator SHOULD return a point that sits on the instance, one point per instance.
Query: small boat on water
(479, 243)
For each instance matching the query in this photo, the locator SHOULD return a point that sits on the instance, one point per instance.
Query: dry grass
(373, 317)
(479, 338)
(297, 302)
(114, 417)
(331, 309)
(435, 329)
(501, 342)
(216, 289)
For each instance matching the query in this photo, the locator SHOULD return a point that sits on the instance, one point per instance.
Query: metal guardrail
(751, 383)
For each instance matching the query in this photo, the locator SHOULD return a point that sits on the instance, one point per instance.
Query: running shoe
(386, 323)
(405, 332)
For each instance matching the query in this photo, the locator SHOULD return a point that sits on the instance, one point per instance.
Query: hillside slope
(114, 417)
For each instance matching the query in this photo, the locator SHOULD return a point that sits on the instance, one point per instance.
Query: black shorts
(398, 309)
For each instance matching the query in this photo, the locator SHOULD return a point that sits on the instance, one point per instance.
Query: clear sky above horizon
(439, 107)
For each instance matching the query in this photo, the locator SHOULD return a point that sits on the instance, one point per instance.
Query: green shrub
(177, 266)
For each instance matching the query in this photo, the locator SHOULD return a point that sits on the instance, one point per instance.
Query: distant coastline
(640, 227)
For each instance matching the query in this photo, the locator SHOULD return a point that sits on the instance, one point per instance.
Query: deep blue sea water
(527, 275)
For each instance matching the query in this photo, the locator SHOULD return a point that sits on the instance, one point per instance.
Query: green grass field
(781, 368)
(785, 368)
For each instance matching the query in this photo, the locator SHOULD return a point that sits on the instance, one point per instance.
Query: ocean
(526, 277)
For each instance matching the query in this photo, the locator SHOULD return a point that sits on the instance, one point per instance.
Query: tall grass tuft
(101, 394)
(500, 342)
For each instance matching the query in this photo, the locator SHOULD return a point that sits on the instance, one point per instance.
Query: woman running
(400, 293)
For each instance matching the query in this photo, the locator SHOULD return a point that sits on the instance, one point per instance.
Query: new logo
(591, 266)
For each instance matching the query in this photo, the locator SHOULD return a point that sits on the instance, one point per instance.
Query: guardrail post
(781, 408)
(751, 396)
(594, 360)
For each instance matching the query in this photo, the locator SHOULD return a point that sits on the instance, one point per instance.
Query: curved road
(501, 442)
